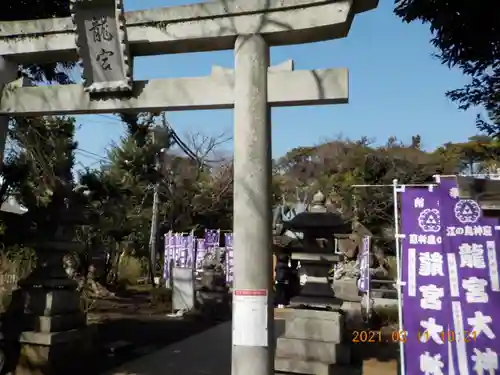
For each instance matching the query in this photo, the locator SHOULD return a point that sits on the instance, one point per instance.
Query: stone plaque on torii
(102, 44)
(252, 88)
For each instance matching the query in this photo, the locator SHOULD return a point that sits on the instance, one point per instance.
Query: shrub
(15, 264)
(129, 270)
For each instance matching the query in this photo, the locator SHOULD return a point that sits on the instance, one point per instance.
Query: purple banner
(178, 249)
(426, 302)
(190, 250)
(168, 255)
(228, 241)
(364, 265)
(201, 251)
(182, 254)
(474, 282)
(212, 238)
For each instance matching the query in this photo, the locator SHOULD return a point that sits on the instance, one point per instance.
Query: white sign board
(102, 45)
(250, 310)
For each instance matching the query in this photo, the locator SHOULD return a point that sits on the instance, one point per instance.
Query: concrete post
(8, 73)
(253, 320)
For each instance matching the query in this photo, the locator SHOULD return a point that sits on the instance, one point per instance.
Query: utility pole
(154, 221)
(156, 192)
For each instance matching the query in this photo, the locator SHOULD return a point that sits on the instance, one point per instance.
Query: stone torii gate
(105, 40)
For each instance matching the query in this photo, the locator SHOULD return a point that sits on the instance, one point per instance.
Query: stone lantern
(316, 253)
(314, 327)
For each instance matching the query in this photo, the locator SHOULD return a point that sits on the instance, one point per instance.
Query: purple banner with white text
(212, 238)
(426, 302)
(471, 240)
(201, 251)
(228, 242)
(168, 255)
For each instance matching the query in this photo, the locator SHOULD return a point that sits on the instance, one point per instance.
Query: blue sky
(396, 89)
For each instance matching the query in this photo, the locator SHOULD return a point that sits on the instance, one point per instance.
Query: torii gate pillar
(8, 73)
(253, 309)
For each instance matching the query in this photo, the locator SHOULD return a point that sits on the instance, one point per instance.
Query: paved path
(186, 357)
(209, 353)
(206, 353)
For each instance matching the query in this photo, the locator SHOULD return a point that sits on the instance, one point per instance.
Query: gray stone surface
(39, 301)
(353, 315)
(212, 25)
(313, 350)
(306, 87)
(8, 73)
(252, 199)
(346, 290)
(50, 338)
(312, 341)
(183, 293)
(102, 45)
(313, 314)
(55, 323)
(55, 353)
(302, 367)
(315, 329)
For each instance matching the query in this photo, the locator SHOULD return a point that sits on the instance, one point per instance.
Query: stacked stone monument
(212, 291)
(54, 337)
(314, 327)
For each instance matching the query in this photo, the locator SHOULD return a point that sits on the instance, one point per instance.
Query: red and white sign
(250, 314)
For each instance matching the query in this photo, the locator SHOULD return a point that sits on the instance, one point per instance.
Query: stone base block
(346, 290)
(297, 366)
(51, 302)
(60, 353)
(311, 350)
(55, 323)
(315, 325)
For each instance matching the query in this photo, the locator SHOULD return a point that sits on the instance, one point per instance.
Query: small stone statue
(318, 203)
(212, 291)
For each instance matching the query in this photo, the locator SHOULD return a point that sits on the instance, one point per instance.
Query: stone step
(306, 350)
(292, 366)
(297, 366)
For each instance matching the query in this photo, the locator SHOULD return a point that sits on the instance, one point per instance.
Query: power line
(89, 153)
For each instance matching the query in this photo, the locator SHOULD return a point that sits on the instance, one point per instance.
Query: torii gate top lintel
(208, 26)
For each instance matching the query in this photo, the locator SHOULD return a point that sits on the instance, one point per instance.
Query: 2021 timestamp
(367, 336)
(377, 336)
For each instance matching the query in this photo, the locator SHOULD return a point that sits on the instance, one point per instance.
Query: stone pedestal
(346, 290)
(212, 294)
(183, 292)
(54, 338)
(312, 343)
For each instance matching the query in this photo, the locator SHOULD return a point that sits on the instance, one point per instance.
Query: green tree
(38, 171)
(335, 166)
(467, 36)
(192, 194)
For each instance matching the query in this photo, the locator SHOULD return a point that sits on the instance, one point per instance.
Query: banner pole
(398, 266)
